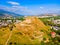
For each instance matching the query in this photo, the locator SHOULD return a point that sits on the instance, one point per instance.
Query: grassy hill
(31, 31)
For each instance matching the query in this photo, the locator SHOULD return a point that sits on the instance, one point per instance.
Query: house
(55, 28)
(56, 21)
(17, 21)
(9, 21)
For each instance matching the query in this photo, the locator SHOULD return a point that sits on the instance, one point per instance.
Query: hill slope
(31, 31)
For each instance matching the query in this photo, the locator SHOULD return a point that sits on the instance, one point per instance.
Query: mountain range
(4, 12)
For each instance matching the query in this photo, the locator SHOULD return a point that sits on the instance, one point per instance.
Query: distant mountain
(4, 12)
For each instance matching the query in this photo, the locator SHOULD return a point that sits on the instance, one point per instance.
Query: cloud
(13, 3)
(18, 9)
(21, 10)
(41, 7)
(24, 10)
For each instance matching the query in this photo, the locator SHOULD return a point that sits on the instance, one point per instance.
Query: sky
(31, 7)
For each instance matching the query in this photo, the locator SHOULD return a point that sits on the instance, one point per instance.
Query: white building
(17, 21)
(57, 21)
(9, 21)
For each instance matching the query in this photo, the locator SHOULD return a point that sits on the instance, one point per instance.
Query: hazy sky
(31, 7)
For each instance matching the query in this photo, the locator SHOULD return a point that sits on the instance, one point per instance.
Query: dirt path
(9, 38)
